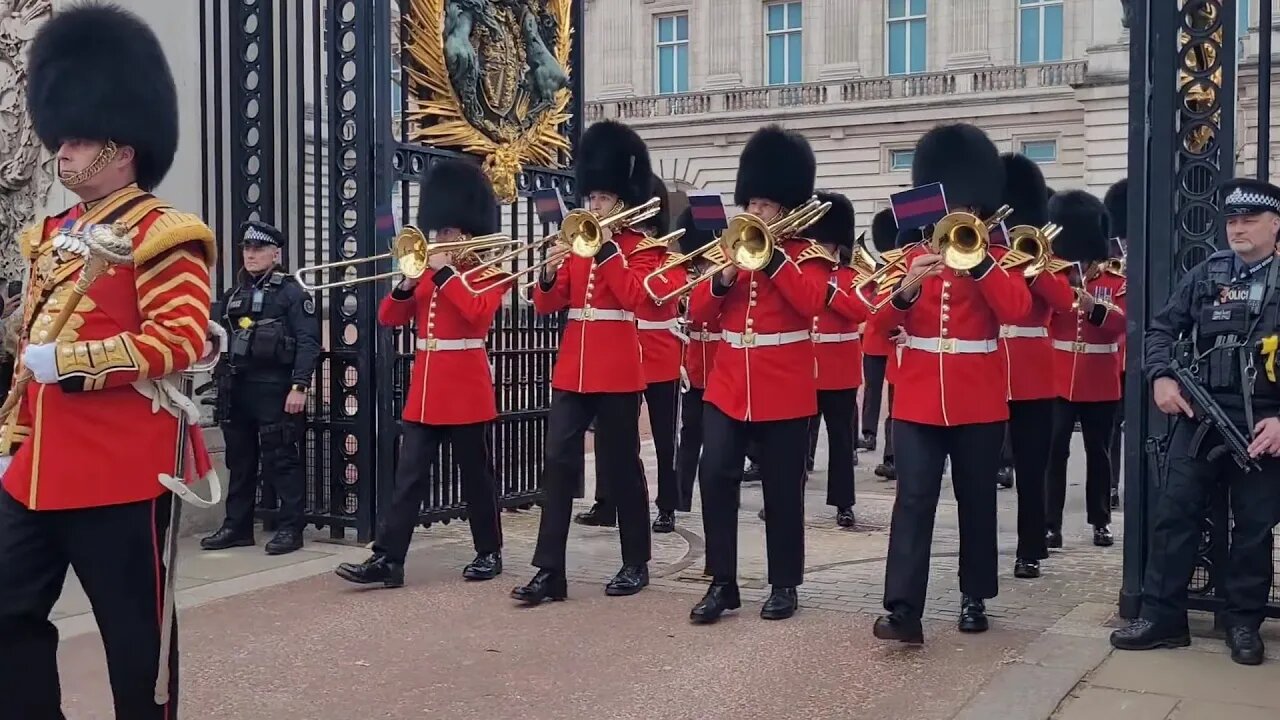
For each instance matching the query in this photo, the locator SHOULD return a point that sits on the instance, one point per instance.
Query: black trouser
(975, 459)
(662, 400)
(690, 449)
(1176, 534)
(419, 445)
(617, 445)
(1117, 446)
(839, 408)
(1030, 432)
(1097, 423)
(782, 480)
(873, 369)
(117, 553)
(888, 431)
(259, 429)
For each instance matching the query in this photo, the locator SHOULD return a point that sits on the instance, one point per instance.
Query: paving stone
(1096, 703)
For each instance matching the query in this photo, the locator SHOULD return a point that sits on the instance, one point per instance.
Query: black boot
(377, 569)
(719, 598)
(227, 538)
(1005, 477)
(1246, 645)
(665, 522)
(598, 516)
(751, 474)
(1102, 536)
(486, 566)
(1142, 634)
(897, 627)
(886, 470)
(844, 517)
(867, 441)
(545, 585)
(1115, 499)
(1026, 569)
(630, 580)
(973, 615)
(1053, 539)
(782, 604)
(286, 541)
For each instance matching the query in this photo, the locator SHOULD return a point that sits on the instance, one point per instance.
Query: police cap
(256, 234)
(1246, 196)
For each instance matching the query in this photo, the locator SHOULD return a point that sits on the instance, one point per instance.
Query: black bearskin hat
(1025, 191)
(1049, 193)
(457, 194)
(884, 230)
(612, 158)
(97, 72)
(777, 165)
(966, 162)
(1117, 202)
(693, 238)
(1083, 218)
(836, 226)
(661, 221)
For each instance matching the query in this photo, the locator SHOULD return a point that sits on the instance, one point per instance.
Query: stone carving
(25, 174)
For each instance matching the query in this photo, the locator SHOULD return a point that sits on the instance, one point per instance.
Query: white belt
(1013, 331)
(1085, 348)
(589, 314)
(704, 336)
(438, 344)
(951, 346)
(835, 337)
(671, 324)
(751, 339)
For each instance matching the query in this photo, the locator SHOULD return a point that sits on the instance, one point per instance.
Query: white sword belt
(438, 344)
(595, 314)
(951, 346)
(835, 337)
(750, 339)
(1014, 331)
(1084, 348)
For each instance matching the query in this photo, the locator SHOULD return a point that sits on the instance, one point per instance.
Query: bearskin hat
(778, 165)
(965, 161)
(1117, 202)
(884, 230)
(1083, 218)
(1049, 193)
(612, 158)
(693, 237)
(836, 226)
(661, 221)
(97, 72)
(1024, 191)
(457, 194)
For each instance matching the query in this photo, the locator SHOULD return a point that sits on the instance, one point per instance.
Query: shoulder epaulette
(891, 255)
(815, 252)
(29, 238)
(649, 243)
(1057, 265)
(1124, 287)
(171, 229)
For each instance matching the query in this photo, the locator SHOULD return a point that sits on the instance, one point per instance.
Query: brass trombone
(1030, 246)
(747, 243)
(865, 261)
(409, 251)
(961, 239)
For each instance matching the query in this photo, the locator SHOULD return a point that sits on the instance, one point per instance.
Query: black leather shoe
(782, 604)
(1005, 477)
(597, 516)
(1142, 634)
(719, 598)
(751, 474)
(867, 442)
(665, 522)
(630, 580)
(285, 541)
(377, 569)
(1026, 569)
(227, 538)
(844, 517)
(886, 470)
(973, 615)
(1102, 536)
(545, 585)
(894, 627)
(1115, 500)
(486, 566)
(1246, 645)
(1053, 539)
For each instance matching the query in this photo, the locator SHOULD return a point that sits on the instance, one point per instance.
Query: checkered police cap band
(1241, 202)
(253, 235)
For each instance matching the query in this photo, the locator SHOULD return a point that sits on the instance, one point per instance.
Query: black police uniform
(1228, 309)
(274, 345)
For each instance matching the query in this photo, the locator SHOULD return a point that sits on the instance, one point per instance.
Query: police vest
(256, 317)
(1237, 334)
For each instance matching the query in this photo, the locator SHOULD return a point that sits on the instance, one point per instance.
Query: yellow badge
(246, 322)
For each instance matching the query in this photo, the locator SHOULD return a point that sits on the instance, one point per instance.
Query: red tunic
(765, 367)
(661, 343)
(700, 353)
(600, 349)
(1025, 346)
(951, 373)
(1087, 353)
(95, 438)
(452, 381)
(836, 342)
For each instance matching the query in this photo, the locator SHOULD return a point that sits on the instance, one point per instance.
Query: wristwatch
(300, 387)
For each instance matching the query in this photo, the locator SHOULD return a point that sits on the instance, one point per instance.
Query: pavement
(265, 637)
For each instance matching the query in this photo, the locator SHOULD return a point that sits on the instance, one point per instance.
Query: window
(673, 53)
(901, 159)
(1242, 24)
(1041, 151)
(783, 43)
(907, 41)
(1039, 31)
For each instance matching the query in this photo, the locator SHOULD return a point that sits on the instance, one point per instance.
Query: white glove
(42, 362)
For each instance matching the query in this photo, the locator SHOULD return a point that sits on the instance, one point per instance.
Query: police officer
(1228, 307)
(275, 341)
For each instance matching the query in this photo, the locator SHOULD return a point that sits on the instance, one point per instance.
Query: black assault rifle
(1210, 416)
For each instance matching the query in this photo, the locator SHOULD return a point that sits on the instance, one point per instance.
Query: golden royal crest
(490, 77)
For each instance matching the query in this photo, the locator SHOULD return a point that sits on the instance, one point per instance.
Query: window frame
(906, 19)
(909, 152)
(787, 33)
(1057, 149)
(1039, 6)
(658, 45)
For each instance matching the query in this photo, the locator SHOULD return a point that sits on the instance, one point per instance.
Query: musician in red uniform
(450, 398)
(1086, 344)
(950, 397)
(699, 357)
(879, 359)
(597, 374)
(762, 386)
(838, 350)
(1117, 203)
(1028, 357)
(86, 447)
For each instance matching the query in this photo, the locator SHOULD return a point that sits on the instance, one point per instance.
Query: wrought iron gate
(304, 126)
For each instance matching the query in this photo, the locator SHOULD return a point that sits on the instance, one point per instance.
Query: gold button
(750, 322)
(753, 294)
(944, 332)
(755, 284)
(946, 283)
(945, 317)
(752, 303)
(431, 324)
(590, 285)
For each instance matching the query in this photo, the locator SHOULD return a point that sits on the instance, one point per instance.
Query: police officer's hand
(438, 260)
(1168, 397)
(1266, 438)
(295, 402)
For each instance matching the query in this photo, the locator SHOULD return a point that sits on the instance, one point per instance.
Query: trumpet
(961, 239)
(580, 233)
(747, 242)
(409, 251)
(1030, 246)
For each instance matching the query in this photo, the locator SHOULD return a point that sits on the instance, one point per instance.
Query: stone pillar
(1106, 132)
(725, 28)
(840, 39)
(25, 169)
(616, 39)
(967, 32)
